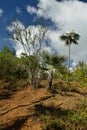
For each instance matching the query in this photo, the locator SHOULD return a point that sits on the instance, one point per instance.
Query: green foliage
(54, 60)
(56, 124)
(44, 127)
(61, 119)
(80, 72)
(5, 62)
(10, 66)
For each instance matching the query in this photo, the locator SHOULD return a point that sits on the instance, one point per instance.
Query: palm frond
(70, 37)
(75, 42)
(76, 36)
(63, 37)
(67, 42)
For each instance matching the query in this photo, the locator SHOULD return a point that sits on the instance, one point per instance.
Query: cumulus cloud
(18, 10)
(31, 10)
(69, 15)
(1, 12)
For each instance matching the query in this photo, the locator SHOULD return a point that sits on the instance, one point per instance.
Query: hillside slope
(20, 111)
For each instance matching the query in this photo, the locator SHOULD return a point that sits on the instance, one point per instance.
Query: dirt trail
(18, 112)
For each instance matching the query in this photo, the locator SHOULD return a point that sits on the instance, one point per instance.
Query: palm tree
(69, 38)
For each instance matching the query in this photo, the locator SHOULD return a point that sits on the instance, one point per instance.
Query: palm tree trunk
(69, 64)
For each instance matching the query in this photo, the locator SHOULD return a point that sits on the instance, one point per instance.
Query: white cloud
(31, 10)
(18, 10)
(1, 12)
(10, 28)
(69, 15)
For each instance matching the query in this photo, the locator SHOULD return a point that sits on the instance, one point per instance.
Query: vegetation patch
(61, 119)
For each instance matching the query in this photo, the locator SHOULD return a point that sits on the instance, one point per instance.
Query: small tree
(52, 64)
(10, 66)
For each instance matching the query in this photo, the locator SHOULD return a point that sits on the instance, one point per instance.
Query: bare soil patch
(19, 111)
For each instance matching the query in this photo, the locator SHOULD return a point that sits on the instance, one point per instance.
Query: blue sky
(13, 10)
(67, 15)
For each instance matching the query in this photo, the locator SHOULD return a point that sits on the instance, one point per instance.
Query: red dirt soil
(18, 112)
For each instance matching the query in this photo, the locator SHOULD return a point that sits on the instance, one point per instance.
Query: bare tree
(31, 38)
